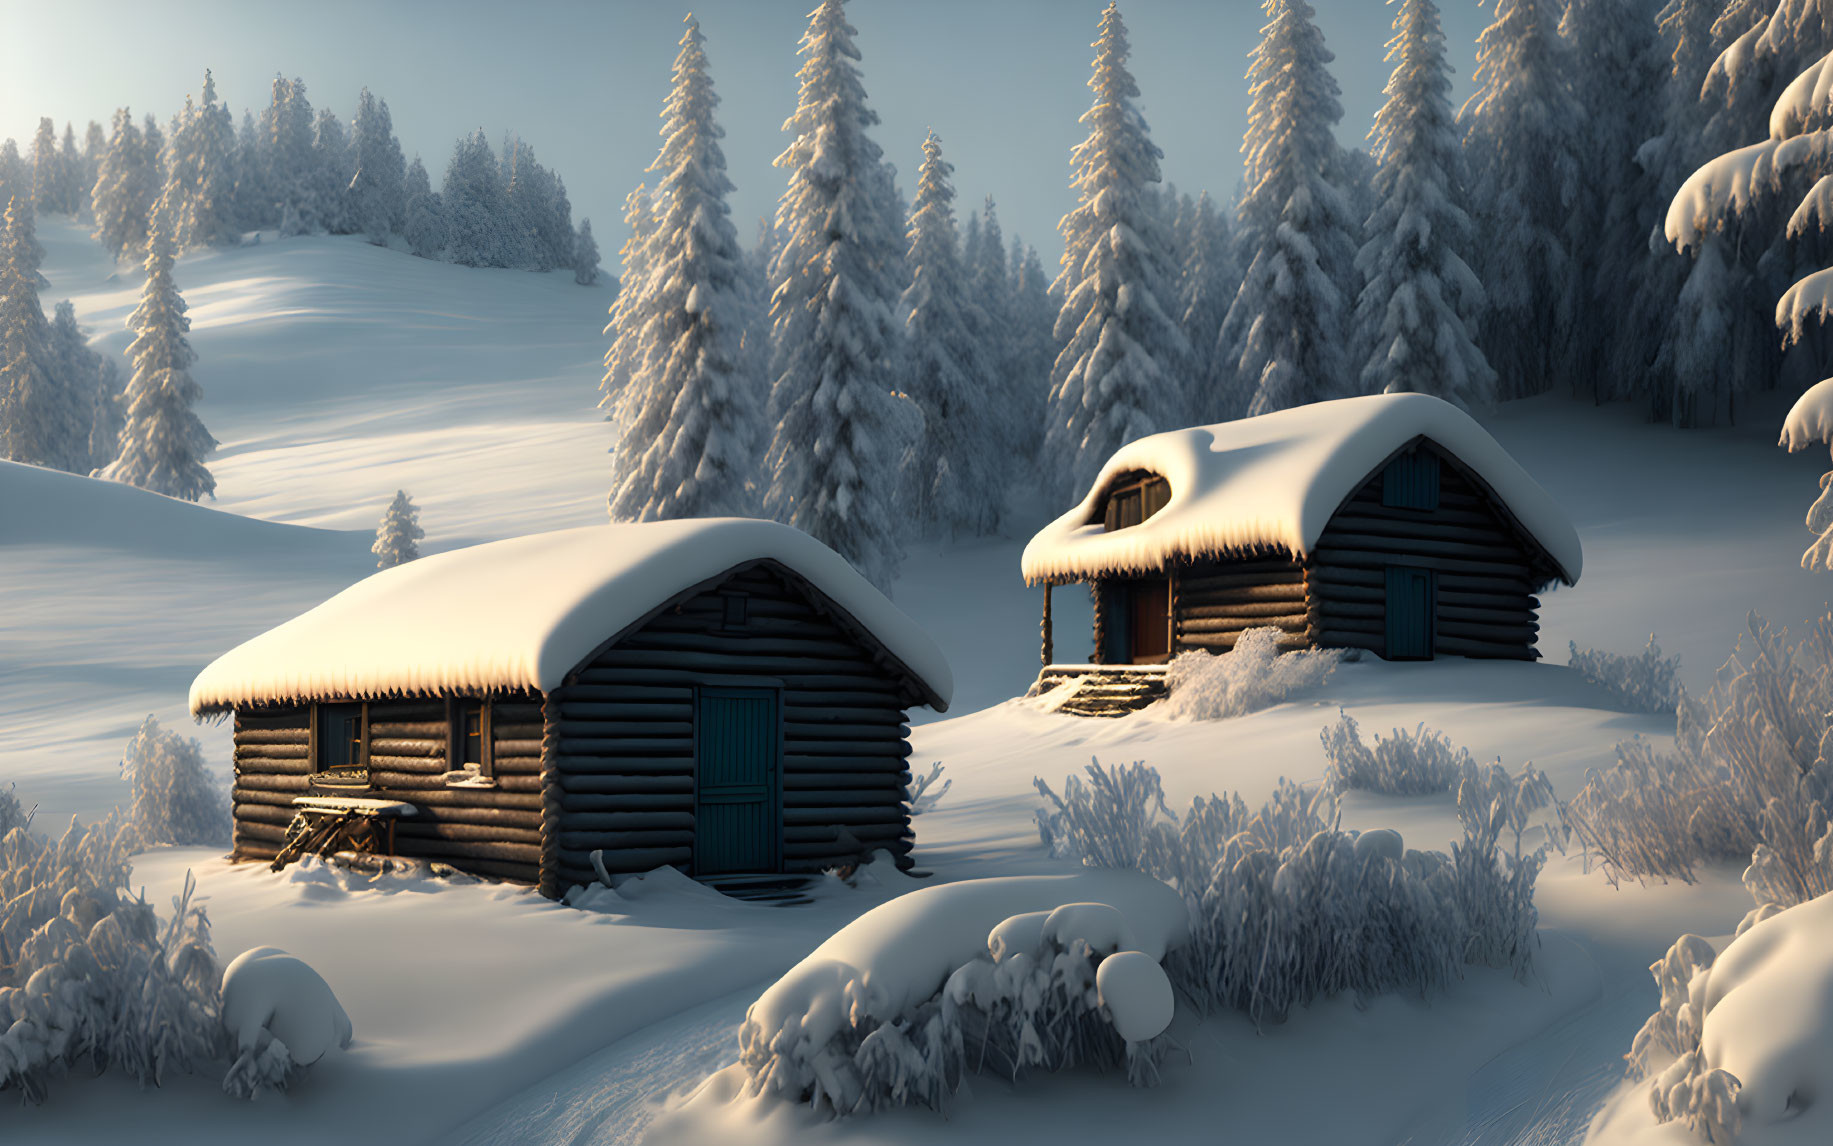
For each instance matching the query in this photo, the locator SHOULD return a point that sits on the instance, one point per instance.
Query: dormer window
(1135, 498)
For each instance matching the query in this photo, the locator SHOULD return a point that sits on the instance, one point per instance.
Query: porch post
(1046, 626)
(1094, 588)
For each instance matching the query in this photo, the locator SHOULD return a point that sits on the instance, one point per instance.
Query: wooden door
(1150, 627)
(1411, 601)
(738, 753)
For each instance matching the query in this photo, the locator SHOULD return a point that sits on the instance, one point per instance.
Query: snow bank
(1275, 480)
(534, 608)
(1742, 1048)
(884, 1011)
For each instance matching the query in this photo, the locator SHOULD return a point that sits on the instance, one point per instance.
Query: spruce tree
(838, 437)
(398, 533)
(46, 184)
(691, 410)
(291, 179)
(163, 445)
(585, 255)
(1208, 284)
(423, 226)
(91, 384)
(42, 420)
(200, 174)
(254, 200)
(954, 477)
(1283, 339)
(377, 192)
(72, 192)
(1034, 346)
(475, 207)
(625, 353)
(15, 175)
(332, 170)
(95, 145)
(124, 190)
(1415, 319)
(1121, 372)
(1525, 180)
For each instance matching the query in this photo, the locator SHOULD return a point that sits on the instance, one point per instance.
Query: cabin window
(341, 745)
(1135, 499)
(1411, 481)
(470, 750)
(737, 606)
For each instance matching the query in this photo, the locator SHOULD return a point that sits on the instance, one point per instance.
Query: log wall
(623, 773)
(1215, 602)
(488, 831)
(1484, 574)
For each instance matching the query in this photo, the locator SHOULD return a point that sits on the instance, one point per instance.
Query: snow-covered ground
(336, 372)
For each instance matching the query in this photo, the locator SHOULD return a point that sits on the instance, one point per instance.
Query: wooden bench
(328, 824)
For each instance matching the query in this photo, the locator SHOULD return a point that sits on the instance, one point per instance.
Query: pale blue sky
(1002, 81)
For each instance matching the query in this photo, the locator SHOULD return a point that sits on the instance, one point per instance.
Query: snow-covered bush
(1286, 907)
(282, 1016)
(1647, 682)
(13, 814)
(1667, 1048)
(1750, 766)
(89, 975)
(1249, 677)
(999, 975)
(1416, 763)
(174, 798)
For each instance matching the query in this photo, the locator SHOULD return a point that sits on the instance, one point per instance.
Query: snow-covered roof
(1273, 482)
(525, 612)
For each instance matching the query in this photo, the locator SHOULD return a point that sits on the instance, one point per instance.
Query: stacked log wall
(623, 775)
(1484, 575)
(493, 831)
(1216, 602)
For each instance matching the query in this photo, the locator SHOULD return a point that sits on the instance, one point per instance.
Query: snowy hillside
(327, 392)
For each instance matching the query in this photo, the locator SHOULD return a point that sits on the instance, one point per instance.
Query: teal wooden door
(738, 753)
(1410, 605)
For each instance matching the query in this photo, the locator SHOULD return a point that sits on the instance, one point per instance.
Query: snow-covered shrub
(1647, 682)
(1667, 1048)
(174, 798)
(282, 1016)
(1249, 677)
(1285, 907)
(89, 975)
(1417, 763)
(1750, 766)
(998, 975)
(13, 814)
(921, 799)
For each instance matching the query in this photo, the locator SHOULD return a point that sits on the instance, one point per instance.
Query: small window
(737, 606)
(470, 749)
(1411, 481)
(1134, 500)
(342, 750)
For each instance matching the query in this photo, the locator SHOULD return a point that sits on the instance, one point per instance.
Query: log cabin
(726, 696)
(1392, 523)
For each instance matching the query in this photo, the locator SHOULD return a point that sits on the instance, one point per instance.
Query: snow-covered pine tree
(423, 225)
(72, 192)
(124, 190)
(1415, 320)
(163, 445)
(174, 799)
(43, 420)
(1208, 284)
(625, 353)
(200, 174)
(333, 167)
(155, 152)
(398, 536)
(1617, 65)
(953, 471)
(254, 202)
(1121, 373)
(291, 180)
(474, 206)
(1525, 176)
(15, 175)
(1013, 405)
(92, 386)
(378, 198)
(1284, 339)
(95, 146)
(46, 184)
(832, 462)
(691, 410)
(585, 255)
(1034, 344)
